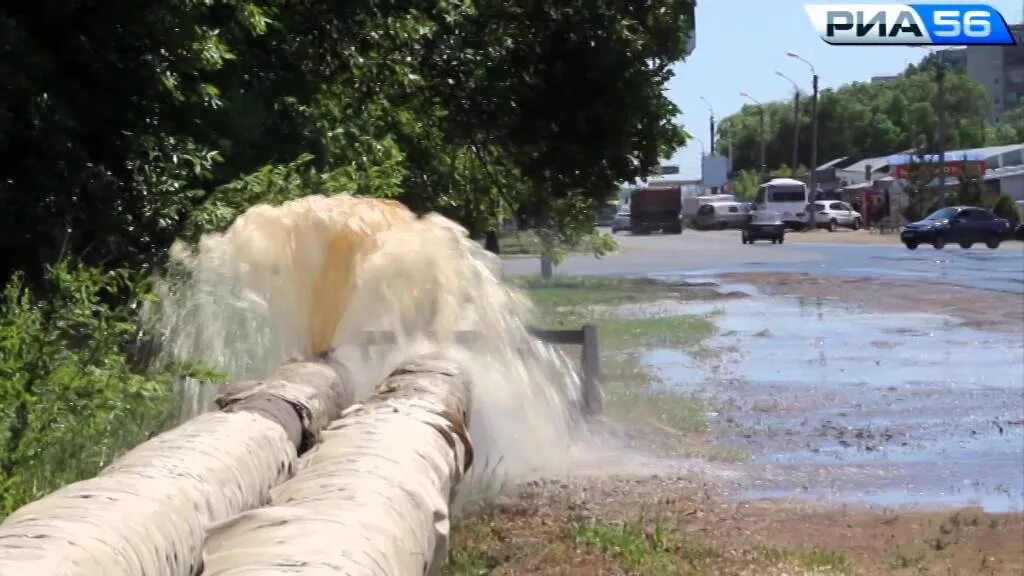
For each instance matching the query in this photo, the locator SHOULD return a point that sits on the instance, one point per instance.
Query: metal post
(714, 189)
(591, 361)
(764, 167)
(940, 77)
(796, 122)
(711, 134)
(813, 180)
(796, 133)
(760, 110)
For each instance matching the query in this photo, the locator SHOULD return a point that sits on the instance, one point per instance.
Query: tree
(572, 93)
(863, 120)
(126, 125)
(1011, 129)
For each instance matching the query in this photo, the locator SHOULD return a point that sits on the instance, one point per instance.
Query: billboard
(714, 170)
(953, 168)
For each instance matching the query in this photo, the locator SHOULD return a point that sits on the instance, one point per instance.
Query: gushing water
(312, 276)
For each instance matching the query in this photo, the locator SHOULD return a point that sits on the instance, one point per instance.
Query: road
(702, 254)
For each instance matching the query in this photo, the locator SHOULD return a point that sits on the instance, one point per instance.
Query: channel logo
(910, 24)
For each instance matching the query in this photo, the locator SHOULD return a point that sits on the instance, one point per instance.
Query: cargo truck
(656, 208)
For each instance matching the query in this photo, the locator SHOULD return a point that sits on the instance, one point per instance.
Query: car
(721, 215)
(621, 221)
(764, 225)
(964, 225)
(833, 214)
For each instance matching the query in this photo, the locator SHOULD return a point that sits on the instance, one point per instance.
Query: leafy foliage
(1005, 207)
(864, 120)
(71, 398)
(126, 125)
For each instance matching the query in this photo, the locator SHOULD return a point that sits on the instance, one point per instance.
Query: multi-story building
(1000, 69)
(885, 79)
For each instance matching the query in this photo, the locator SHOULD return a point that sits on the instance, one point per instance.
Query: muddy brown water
(848, 406)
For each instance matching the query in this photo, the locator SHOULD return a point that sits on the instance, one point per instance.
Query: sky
(741, 43)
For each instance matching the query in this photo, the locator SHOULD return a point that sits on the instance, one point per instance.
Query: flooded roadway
(706, 253)
(840, 403)
(852, 406)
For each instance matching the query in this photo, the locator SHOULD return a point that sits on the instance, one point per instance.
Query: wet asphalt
(839, 404)
(705, 254)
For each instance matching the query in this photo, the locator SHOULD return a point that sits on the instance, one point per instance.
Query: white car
(833, 214)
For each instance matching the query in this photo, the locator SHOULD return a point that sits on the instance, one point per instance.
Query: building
(885, 79)
(1004, 174)
(955, 58)
(1000, 69)
(691, 42)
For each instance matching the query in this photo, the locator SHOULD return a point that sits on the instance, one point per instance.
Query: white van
(786, 196)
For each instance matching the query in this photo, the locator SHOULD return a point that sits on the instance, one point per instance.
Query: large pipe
(373, 497)
(147, 513)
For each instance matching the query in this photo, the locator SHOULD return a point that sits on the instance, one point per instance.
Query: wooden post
(591, 362)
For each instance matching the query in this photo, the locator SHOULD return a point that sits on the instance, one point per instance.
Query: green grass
(645, 549)
(813, 559)
(628, 385)
(491, 541)
(636, 549)
(687, 331)
(563, 300)
(629, 398)
(468, 556)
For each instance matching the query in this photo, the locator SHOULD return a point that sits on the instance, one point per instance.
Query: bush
(1005, 207)
(70, 398)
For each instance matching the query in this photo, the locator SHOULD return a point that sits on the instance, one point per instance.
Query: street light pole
(711, 134)
(796, 124)
(812, 180)
(760, 109)
(940, 79)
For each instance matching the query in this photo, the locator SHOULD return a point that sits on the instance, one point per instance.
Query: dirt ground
(538, 531)
(682, 521)
(995, 310)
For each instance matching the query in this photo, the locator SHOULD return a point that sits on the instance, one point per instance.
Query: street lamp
(814, 124)
(940, 111)
(796, 123)
(711, 124)
(760, 109)
(711, 111)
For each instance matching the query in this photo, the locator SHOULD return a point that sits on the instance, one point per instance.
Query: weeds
(684, 331)
(640, 551)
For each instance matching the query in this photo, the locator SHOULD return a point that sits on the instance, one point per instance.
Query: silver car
(621, 221)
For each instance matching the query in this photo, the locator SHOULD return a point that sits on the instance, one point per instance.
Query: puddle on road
(839, 404)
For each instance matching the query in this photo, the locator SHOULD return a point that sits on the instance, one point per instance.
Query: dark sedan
(964, 225)
(764, 226)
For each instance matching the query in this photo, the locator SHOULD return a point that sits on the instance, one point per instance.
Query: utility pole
(711, 134)
(814, 137)
(940, 79)
(796, 124)
(760, 110)
(812, 180)
(796, 132)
